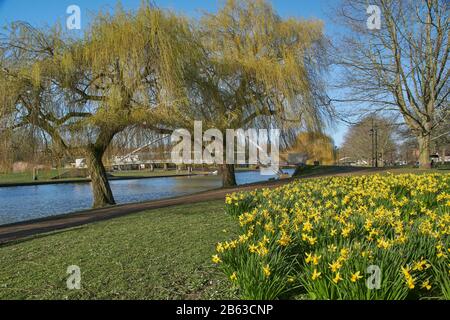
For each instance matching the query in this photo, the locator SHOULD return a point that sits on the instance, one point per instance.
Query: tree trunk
(228, 176)
(424, 151)
(443, 155)
(101, 189)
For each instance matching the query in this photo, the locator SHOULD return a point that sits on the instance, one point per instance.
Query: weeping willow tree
(83, 92)
(251, 69)
(316, 146)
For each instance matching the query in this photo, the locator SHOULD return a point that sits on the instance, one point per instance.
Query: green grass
(160, 254)
(310, 170)
(27, 176)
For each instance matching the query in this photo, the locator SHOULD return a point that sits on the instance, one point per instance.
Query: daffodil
(421, 265)
(335, 266)
(332, 248)
(346, 232)
(308, 257)
(344, 254)
(220, 248)
(284, 240)
(383, 244)
(266, 270)
(307, 227)
(243, 238)
(315, 275)
(269, 227)
(228, 199)
(252, 248)
(216, 259)
(405, 271)
(337, 278)
(312, 240)
(355, 276)
(314, 259)
(262, 251)
(426, 285)
(410, 282)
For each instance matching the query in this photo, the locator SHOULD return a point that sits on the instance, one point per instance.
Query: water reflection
(31, 202)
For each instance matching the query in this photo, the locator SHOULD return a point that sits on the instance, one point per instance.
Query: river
(38, 201)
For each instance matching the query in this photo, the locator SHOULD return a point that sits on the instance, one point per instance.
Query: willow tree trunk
(424, 151)
(101, 189)
(228, 176)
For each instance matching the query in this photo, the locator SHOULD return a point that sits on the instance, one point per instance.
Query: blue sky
(48, 12)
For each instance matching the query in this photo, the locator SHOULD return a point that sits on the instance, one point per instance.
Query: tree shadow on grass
(41, 235)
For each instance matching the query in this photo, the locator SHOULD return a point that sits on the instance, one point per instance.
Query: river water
(32, 202)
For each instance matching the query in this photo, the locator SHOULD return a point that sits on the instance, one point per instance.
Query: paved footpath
(25, 229)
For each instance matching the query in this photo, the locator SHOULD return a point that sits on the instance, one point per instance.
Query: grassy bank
(310, 170)
(72, 174)
(53, 175)
(27, 176)
(163, 254)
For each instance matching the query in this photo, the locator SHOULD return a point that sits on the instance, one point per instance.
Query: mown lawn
(310, 170)
(27, 176)
(160, 254)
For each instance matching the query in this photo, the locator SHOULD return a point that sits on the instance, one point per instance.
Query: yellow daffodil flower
(355, 276)
(315, 275)
(337, 278)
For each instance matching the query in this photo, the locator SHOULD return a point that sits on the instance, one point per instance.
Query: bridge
(150, 160)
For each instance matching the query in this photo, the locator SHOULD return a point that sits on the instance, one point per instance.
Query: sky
(48, 12)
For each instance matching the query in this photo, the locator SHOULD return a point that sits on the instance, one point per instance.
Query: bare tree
(402, 67)
(358, 143)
